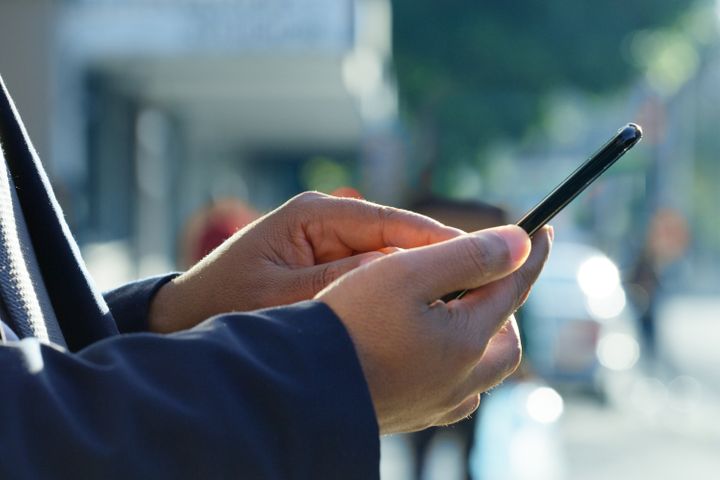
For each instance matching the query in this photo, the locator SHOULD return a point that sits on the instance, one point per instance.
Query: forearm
(274, 394)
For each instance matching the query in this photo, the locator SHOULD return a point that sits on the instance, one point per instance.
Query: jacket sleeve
(273, 394)
(130, 304)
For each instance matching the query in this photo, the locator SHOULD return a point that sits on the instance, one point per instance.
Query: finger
(307, 282)
(465, 262)
(364, 226)
(500, 299)
(462, 411)
(493, 362)
(499, 360)
(550, 238)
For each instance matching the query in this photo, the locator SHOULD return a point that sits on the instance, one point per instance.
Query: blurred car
(577, 324)
(518, 437)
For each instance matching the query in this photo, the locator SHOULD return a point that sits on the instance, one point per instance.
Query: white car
(576, 323)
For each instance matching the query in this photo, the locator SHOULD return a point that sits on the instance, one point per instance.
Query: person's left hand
(289, 255)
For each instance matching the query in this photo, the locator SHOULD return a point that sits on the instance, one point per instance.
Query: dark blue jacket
(270, 394)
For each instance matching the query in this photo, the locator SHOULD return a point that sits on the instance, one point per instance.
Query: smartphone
(626, 138)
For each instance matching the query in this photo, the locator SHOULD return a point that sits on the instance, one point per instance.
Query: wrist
(161, 318)
(175, 307)
(192, 298)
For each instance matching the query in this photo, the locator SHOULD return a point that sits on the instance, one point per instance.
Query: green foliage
(325, 175)
(471, 71)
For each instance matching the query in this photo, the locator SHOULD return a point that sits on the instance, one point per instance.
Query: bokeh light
(545, 405)
(598, 277)
(618, 351)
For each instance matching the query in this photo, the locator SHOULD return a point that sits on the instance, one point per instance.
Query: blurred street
(667, 426)
(619, 443)
(690, 337)
(663, 423)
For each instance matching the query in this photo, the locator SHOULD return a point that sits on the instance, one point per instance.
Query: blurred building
(143, 110)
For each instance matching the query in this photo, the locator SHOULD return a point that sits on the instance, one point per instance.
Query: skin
(289, 255)
(381, 270)
(426, 361)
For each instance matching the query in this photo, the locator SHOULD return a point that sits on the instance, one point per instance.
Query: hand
(289, 255)
(426, 362)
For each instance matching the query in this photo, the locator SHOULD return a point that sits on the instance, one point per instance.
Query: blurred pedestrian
(666, 240)
(210, 226)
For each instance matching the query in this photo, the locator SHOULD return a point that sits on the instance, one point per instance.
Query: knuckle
(324, 277)
(382, 214)
(387, 214)
(522, 280)
(306, 197)
(482, 255)
(528, 273)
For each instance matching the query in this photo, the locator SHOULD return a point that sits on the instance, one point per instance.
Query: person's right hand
(426, 362)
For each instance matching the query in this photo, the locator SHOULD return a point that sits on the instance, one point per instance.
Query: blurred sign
(191, 26)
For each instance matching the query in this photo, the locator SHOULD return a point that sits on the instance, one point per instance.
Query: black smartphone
(626, 138)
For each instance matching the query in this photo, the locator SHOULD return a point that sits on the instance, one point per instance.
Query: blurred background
(166, 125)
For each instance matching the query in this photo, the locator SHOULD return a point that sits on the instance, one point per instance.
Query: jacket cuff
(130, 304)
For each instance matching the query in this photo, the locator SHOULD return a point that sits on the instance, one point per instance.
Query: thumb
(465, 262)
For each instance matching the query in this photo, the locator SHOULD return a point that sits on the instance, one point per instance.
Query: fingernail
(517, 241)
(551, 233)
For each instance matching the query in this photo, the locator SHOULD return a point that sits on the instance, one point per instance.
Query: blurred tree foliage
(473, 71)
